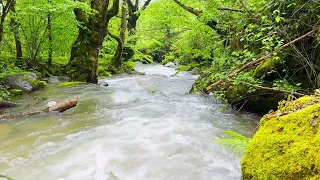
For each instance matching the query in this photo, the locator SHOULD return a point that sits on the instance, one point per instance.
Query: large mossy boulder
(20, 81)
(26, 82)
(286, 146)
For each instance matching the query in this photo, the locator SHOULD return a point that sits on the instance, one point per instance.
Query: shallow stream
(138, 128)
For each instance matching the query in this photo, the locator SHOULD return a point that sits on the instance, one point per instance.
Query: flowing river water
(138, 128)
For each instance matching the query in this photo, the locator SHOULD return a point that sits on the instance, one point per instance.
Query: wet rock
(137, 73)
(104, 84)
(20, 81)
(58, 79)
(63, 78)
(195, 71)
(176, 62)
(170, 64)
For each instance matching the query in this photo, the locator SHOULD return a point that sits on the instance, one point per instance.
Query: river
(139, 128)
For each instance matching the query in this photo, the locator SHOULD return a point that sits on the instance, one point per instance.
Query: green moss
(286, 147)
(36, 84)
(16, 92)
(266, 66)
(73, 83)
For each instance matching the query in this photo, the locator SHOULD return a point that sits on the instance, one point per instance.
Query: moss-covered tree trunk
(134, 14)
(117, 58)
(83, 62)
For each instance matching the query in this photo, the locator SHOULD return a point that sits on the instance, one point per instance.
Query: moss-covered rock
(36, 84)
(258, 101)
(286, 147)
(73, 83)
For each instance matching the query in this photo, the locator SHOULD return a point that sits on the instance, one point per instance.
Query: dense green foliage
(237, 34)
(215, 37)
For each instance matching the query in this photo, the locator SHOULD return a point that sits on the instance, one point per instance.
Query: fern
(236, 142)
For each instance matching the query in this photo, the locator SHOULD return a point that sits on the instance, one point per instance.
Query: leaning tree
(134, 14)
(93, 28)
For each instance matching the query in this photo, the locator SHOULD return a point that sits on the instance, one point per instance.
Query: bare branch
(230, 9)
(189, 9)
(145, 4)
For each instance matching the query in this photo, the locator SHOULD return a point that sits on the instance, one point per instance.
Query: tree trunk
(15, 30)
(117, 58)
(132, 23)
(1, 32)
(83, 64)
(50, 39)
(118, 54)
(4, 12)
(134, 14)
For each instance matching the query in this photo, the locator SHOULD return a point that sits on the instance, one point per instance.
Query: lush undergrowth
(218, 37)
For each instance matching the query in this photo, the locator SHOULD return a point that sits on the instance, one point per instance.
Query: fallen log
(7, 104)
(251, 64)
(58, 108)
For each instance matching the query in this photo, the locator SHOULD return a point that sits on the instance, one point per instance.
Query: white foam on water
(139, 128)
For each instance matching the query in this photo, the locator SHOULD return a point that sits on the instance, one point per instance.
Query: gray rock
(20, 81)
(63, 78)
(170, 64)
(194, 72)
(58, 79)
(104, 84)
(176, 62)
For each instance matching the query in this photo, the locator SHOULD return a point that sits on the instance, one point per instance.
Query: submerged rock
(104, 84)
(286, 146)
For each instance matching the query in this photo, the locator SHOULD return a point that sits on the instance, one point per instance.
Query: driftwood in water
(60, 107)
(7, 104)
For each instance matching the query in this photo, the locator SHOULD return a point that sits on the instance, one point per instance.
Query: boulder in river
(104, 84)
(58, 79)
(25, 82)
(287, 144)
(170, 64)
(20, 81)
(195, 71)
